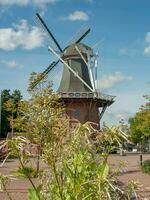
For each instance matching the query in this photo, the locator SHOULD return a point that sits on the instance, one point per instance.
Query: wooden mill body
(81, 104)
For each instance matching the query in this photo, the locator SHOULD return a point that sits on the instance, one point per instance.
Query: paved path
(18, 187)
(132, 171)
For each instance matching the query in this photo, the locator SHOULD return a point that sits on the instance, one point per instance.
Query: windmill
(78, 88)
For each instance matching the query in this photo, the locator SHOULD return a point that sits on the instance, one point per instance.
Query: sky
(120, 33)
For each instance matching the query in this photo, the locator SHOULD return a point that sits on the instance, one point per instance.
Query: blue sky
(122, 28)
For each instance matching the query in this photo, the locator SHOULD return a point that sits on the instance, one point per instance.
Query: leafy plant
(78, 172)
(146, 166)
(25, 172)
(75, 169)
(3, 181)
(32, 195)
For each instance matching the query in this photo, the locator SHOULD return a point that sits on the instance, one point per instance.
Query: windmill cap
(71, 50)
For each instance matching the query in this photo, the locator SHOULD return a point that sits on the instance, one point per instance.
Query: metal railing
(96, 95)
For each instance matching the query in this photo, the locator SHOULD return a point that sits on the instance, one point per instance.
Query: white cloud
(147, 50)
(125, 106)
(12, 64)
(14, 2)
(123, 114)
(21, 35)
(77, 16)
(130, 52)
(109, 81)
(147, 40)
(147, 37)
(26, 2)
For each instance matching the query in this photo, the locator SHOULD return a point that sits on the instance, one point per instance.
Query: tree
(5, 96)
(140, 124)
(9, 104)
(37, 117)
(35, 78)
(16, 96)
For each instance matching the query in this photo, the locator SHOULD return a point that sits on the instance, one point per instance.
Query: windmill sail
(48, 31)
(44, 74)
(80, 35)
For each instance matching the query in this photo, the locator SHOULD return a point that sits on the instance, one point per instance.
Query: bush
(146, 166)
(25, 172)
(74, 169)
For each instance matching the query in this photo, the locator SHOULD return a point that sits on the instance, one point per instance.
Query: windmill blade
(83, 36)
(89, 68)
(80, 35)
(48, 31)
(45, 72)
(50, 67)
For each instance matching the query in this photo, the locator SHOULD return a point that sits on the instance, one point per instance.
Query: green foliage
(109, 139)
(3, 181)
(139, 124)
(26, 172)
(146, 166)
(9, 103)
(32, 195)
(16, 146)
(37, 116)
(131, 190)
(75, 170)
(5, 96)
(16, 95)
(34, 79)
(78, 172)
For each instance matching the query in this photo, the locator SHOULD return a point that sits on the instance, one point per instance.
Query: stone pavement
(132, 171)
(18, 187)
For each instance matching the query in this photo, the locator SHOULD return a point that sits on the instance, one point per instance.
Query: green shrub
(25, 172)
(146, 166)
(75, 171)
